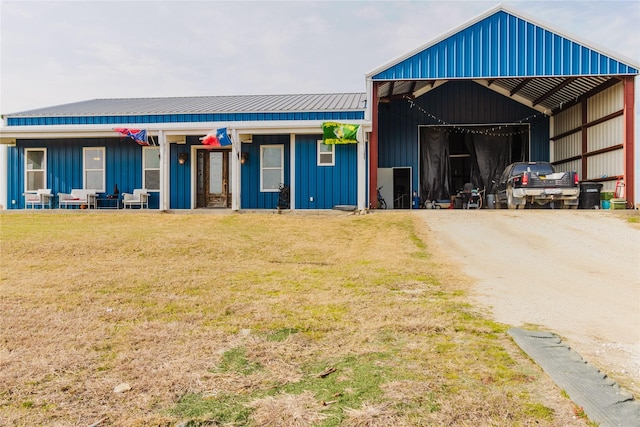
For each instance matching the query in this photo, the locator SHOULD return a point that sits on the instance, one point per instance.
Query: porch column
(292, 171)
(362, 173)
(373, 149)
(164, 171)
(628, 142)
(4, 196)
(236, 174)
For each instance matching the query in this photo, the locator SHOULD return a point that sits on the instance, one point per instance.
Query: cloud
(86, 50)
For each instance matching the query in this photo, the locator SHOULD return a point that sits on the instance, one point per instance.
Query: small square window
(326, 153)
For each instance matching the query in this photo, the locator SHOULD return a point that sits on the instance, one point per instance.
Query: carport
(504, 88)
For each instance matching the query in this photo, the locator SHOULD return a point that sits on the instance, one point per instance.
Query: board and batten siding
(123, 166)
(323, 187)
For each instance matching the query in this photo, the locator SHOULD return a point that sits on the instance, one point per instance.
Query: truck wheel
(510, 202)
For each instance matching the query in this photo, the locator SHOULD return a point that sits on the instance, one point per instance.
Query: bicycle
(476, 200)
(382, 204)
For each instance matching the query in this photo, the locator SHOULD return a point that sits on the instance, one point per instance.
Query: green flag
(337, 133)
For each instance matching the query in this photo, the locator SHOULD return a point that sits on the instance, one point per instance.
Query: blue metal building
(500, 88)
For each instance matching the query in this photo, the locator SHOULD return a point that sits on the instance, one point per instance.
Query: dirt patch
(574, 273)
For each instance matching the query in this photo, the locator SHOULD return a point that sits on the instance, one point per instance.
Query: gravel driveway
(574, 273)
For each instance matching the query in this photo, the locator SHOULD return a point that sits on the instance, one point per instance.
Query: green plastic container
(606, 195)
(618, 203)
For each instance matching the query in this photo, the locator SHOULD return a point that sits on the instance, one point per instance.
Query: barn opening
(453, 155)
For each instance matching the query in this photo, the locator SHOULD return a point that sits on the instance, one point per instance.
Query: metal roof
(204, 105)
(510, 53)
(242, 108)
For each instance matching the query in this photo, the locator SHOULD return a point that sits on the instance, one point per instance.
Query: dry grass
(228, 319)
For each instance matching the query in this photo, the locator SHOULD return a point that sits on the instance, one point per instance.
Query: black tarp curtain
(489, 153)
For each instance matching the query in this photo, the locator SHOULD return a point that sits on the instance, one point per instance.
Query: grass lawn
(138, 319)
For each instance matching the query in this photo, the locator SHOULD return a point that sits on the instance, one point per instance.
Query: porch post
(373, 149)
(164, 171)
(362, 172)
(236, 149)
(292, 171)
(628, 142)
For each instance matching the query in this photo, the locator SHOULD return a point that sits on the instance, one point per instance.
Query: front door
(213, 183)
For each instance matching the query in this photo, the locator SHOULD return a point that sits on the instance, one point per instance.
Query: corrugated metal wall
(457, 102)
(604, 129)
(328, 185)
(252, 197)
(503, 45)
(180, 191)
(123, 166)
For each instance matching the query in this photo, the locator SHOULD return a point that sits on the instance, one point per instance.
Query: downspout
(628, 142)
(373, 149)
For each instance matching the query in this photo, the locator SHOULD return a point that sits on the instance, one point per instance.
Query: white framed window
(151, 168)
(326, 156)
(35, 169)
(271, 167)
(93, 169)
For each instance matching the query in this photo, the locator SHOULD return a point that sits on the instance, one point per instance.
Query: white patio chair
(41, 198)
(139, 197)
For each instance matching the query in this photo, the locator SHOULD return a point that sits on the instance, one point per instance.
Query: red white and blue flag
(219, 138)
(138, 135)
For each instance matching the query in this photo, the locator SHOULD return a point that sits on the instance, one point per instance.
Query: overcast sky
(55, 52)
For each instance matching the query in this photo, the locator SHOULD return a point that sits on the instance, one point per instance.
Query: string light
(492, 131)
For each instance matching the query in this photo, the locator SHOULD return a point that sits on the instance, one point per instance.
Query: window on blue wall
(93, 167)
(326, 155)
(35, 169)
(271, 167)
(151, 168)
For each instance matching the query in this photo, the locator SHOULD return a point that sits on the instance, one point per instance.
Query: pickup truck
(525, 183)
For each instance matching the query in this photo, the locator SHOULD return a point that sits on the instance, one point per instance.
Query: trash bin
(491, 201)
(589, 195)
(416, 201)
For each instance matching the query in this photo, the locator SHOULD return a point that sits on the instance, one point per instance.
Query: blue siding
(252, 197)
(328, 185)
(503, 45)
(184, 118)
(179, 177)
(123, 166)
(458, 102)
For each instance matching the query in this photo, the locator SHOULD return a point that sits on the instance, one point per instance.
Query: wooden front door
(213, 183)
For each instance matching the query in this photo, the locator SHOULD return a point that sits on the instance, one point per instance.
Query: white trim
(43, 169)
(9, 134)
(85, 170)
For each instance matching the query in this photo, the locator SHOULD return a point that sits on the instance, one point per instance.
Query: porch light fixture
(244, 157)
(182, 158)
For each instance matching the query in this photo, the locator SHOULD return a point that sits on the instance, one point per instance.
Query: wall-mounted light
(182, 158)
(244, 157)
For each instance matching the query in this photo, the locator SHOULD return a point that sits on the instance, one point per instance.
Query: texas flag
(219, 138)
(139, 136)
